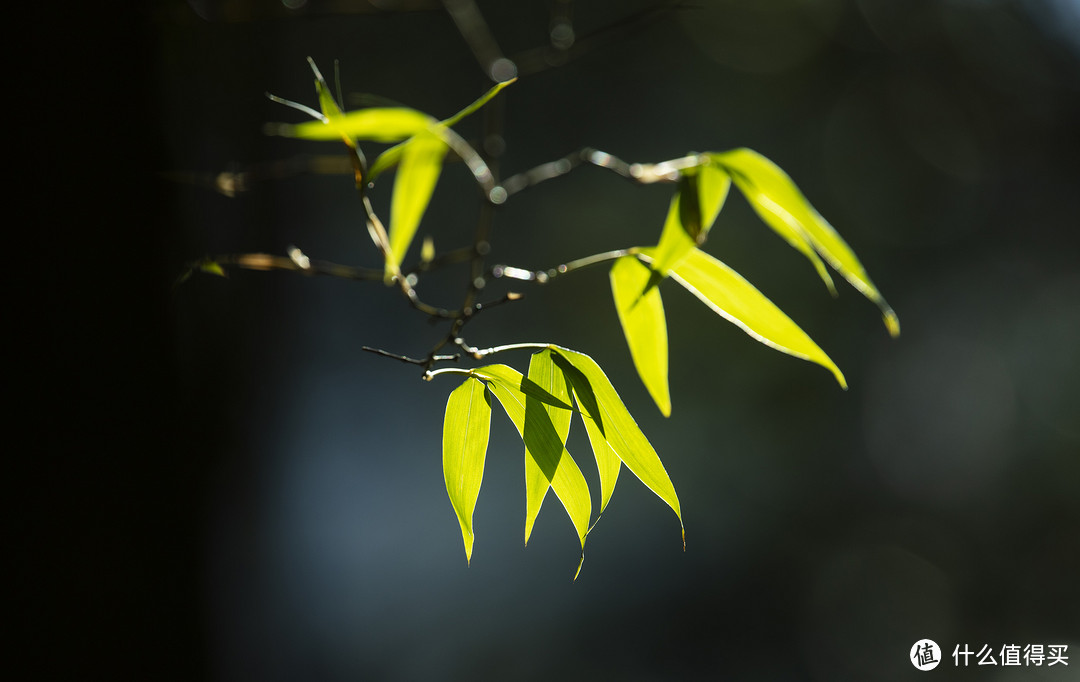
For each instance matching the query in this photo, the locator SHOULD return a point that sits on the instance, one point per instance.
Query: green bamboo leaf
(675, 241)
(779, 202)
(692, 213)
(379, 124)
(392, 156)
(327, 104)
(641, 312)
(213, 268)
(484, 99)
(608, 463)
(466, 429)
(515, 381)
(421, 163)
(619, 428)
(543, 445)
(728, 294)
(773, 212)
(388, 159)
(550, 378)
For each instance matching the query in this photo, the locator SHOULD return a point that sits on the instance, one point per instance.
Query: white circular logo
(925, 654)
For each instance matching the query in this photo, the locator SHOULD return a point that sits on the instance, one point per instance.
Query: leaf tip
(580, 563)
(840, 378)
(892, 322)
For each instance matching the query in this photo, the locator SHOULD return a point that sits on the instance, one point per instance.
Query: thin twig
(640, 173)
(267, 262)
(545, 276)
(412, 361)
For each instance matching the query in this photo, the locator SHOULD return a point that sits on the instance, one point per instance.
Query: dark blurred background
(248, 496)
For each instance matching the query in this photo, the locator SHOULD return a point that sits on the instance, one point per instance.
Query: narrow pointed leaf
(379, 124)
(392, 156)
(466, 429)
(619, 428)
(515, 381)
(388, 159)
(713, 186)
(327, 103)
(543, 445)
(472, 108)
(213, 267)
(692, 213)
(780, 203)
(421, 163)
(728, 294)
(550, 378)
(641, 312)
(675, 241)
(608, 463)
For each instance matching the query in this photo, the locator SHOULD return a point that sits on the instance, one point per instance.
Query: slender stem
(412, 361)
(432, 373)
(639, 173)
(479, 353)
(544, 276)
(267, 262)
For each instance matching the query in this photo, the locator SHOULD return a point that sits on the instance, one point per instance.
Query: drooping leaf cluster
(560, 382)
(702, 190)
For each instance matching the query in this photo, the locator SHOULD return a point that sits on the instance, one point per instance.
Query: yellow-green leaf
(692, 213)
(543, 445)
(607, 462)
(388, 159)
(379, 124)
(550, 378)
(212, 267)
(466, 429)
(779, 202)
(713, 185)
(515, 381)
(728, 294)
(392, 156)
(620, 430)
(421, 163)
(329, 106)
(484, 99)
(675, 241)
(641, 312)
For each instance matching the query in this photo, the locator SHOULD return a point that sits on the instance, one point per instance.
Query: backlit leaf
(675, 241)
(484, 99)
(392, 156)
(421, 163)
(641, 312)
(692, 213)
(379, 124)
(466, 429)
(544, 446)
(607, 462)
(212, 267)
(779, 202)
(619, 428)
(514, 380)
(732, 297)
(327, 104)
(550, 378)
